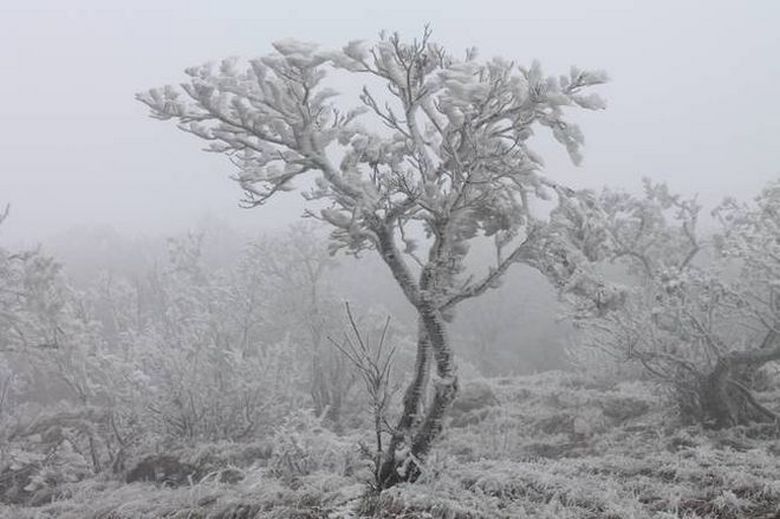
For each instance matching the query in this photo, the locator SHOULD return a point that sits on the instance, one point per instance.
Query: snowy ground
(550, 446)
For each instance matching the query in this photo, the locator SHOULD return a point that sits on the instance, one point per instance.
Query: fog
(436, 326)
(691, 100)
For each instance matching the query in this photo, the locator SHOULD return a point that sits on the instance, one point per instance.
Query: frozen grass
(547, 446)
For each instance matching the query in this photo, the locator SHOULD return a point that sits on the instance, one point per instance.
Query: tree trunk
(446, 383)
(720, 404)
(725, 397)
(410, 414)
(415, 432)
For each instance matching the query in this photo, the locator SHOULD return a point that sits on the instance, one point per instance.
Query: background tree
(699, 314)
(294, 272)
(450, 165)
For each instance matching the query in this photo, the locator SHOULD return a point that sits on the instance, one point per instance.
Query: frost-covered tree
(699, 314)
(293, 271)
(45, 326)
(50, 354)
(192, 360)
(750, 242)
(442, 161)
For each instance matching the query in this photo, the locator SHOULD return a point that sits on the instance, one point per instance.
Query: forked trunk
(417, 428)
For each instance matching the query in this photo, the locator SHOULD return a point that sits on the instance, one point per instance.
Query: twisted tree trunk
(416, 429)
(726, 398)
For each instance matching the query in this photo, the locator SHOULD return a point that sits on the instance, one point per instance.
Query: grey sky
(692, 99)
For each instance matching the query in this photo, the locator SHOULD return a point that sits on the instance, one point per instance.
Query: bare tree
(450, 164)
(375, 366)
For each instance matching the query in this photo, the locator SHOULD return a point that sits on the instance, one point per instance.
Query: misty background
(101, 185)
(691, 101)
(165, 352)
